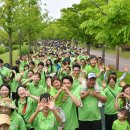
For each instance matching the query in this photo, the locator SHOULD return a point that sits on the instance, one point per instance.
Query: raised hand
(104, 84)
(102, 70)
(27, 93)
(50, 104)
(107, 68)
(65, 89)
(122, 83)
(48, 82)
(21, 73)
(33, 77)
(126, 69)
(124, 95)
(40, 106)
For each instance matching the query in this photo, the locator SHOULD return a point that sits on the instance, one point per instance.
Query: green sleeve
(114, 126)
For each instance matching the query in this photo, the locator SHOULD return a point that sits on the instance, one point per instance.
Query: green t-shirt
(58, 101)
(4, 72)
(14, 83)
(35, 90)
(69, 109)
(90, 110)
(117, 125)
(17, 122)
(42, 81)
(92, 69)
(29, 110)
(22, 63)
(76, 85)
(109, 104)
(44, 123)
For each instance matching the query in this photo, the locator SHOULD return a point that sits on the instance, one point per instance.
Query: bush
(125, 47)
(15, 47)
(2, 49)
(24, 49)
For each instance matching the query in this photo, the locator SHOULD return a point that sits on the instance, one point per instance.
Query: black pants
(90, 125)
(31, 129)
(109, 119)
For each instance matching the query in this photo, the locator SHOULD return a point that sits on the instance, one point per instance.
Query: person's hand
(65, 89)
(93, 93)
(122, 83)
(61, 90)
(104, 84)
(107, 68)
(48, 82)
(119, 95)
(33, 77)
(27, 93)
(21, 73)
(45, 69)
(124, 95)
(102, 70)
(41, 105)
(84, 93)
(126, 69)
(50, 104)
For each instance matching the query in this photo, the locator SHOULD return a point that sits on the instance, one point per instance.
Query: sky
(54, 6)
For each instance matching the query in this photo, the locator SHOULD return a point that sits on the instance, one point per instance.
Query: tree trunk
(19, 40)
(103, 53)
(35, 45)
(10, 48)
(76, 43)
(29, 42)
(88, 47)
(117, 58)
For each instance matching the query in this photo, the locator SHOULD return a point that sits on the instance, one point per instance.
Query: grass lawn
(125, 54)
(5, 56)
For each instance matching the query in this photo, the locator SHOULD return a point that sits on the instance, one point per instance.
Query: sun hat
(7, 102)
(4, 119)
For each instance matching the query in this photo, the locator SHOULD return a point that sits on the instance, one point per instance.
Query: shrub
(15, 47)
(2, 49)
(24, 49)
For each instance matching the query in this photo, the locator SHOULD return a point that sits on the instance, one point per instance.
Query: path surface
(111, 59)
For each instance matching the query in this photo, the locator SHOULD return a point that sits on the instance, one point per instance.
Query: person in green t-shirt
(111, 91)
(45, 116)
(56, 91)
(7, 107)
(34, 87)
(123, 98)
(40, 68)
(123, 121)
(89, 112)
(70, 101)
(25, 105)
(23, 62)
(4, 73)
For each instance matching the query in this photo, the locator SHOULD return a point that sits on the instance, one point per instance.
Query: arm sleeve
(105, 76)
(123, 76)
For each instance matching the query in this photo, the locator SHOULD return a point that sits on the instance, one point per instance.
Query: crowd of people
(61, 87)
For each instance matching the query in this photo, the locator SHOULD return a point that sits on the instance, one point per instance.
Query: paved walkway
(111, 59)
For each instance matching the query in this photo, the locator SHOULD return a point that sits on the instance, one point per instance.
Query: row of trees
(105, 22)
(21, 21)
(97, 21)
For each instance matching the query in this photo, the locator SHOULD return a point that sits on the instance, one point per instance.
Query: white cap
(91, 75)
